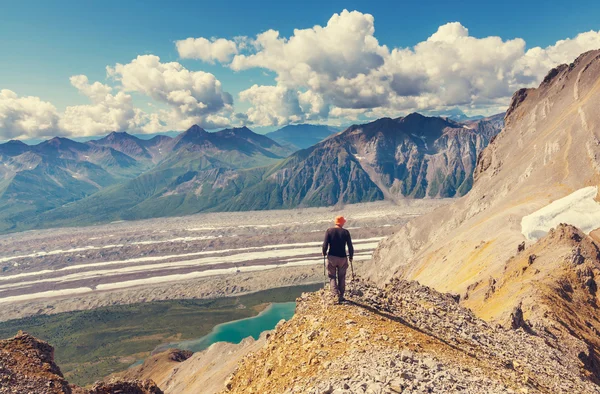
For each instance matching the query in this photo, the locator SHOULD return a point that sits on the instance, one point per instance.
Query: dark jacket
(336, 239)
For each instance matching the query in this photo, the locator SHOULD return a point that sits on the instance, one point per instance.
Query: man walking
(334, 247)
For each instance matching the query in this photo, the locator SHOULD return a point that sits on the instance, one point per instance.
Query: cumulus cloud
(331, 61)
(272, 105)
(96, 91)
(191, 97)
(344, 69)
(334, 73)
(537, 61)
(26, 117)
(108, 112)
(453, 68)
(220, 49)
(192, 94)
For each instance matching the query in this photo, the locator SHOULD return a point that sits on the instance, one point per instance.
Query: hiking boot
(331, 299)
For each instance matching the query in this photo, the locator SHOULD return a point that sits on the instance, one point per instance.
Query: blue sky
(45, 43)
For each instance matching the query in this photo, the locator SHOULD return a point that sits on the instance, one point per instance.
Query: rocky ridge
(406, 338)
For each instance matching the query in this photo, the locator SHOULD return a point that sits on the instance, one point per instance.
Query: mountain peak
(58, 142)
(193, 135)
(301, 136)
(119, 134)
(15, 143)
(414, 115)
(13, 147)
(195, 129)
(116, 136)
(240, 130)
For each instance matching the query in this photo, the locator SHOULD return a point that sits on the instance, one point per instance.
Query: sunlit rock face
(495, 245)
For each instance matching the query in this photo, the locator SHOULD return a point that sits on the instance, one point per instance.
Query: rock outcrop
(405, 338)
(131, 387)
(27, 366)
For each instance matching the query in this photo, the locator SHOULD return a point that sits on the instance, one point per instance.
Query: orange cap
(340, 221)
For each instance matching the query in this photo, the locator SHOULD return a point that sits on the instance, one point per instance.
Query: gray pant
(336, 270)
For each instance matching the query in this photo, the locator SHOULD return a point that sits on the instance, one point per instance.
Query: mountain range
(413, 156)
(61, 182)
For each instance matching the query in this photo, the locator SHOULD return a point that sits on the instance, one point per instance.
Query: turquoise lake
(236, 331)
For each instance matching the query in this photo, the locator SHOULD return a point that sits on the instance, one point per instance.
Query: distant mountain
(13, 148)
(301, 136)
(242, 141)
(455, 114)
(414, 156)
(119, 164)
(236, 169)
(36, 179)
(199, 170)
(125, 143)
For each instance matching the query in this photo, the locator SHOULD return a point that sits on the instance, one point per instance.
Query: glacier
(578, 209)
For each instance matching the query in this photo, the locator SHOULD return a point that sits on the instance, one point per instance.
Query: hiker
(334, 247)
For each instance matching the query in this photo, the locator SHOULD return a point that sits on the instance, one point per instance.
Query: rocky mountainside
(144, 151)
(414, 156)
(301, 136)
(176, 371)
(548, 152)
(27, 366)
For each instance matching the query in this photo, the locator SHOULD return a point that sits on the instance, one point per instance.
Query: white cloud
(107, 113)
(335, 61)
(272, 105)
(344, 48)
(334, 73)
(25, 117)
(452, 68)
(538, 61)
(195, 96)
(221, 50)
(342, 67)
(96, 91)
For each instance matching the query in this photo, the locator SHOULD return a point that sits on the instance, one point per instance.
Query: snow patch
(578, 209)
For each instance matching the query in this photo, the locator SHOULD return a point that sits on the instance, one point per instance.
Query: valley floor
(199, 256)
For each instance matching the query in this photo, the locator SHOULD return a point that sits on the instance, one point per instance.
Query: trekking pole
(324, 284)
(350, 287)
